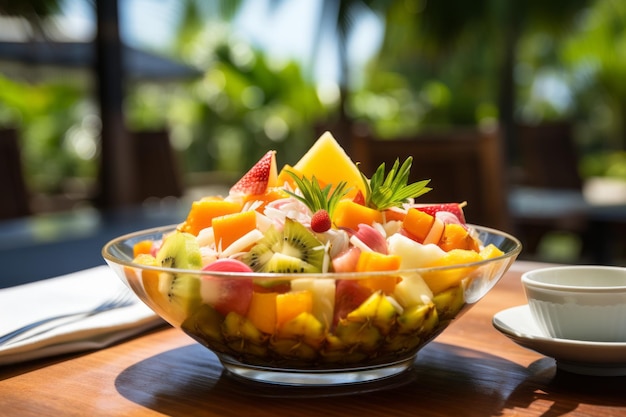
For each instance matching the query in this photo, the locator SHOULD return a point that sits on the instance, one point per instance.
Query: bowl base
(320, 378)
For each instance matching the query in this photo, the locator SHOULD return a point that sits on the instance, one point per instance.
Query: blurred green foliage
(223, 121)
(57, 139)
(241, 107)
(245, 103)
(442, 66)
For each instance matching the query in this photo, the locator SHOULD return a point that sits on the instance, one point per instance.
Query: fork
(123, 299)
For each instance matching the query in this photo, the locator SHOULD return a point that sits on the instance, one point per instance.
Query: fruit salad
(315, 263)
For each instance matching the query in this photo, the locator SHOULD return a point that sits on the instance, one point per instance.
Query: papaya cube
(203, 212)
(350, 214)
(374, 261)
(230, 227)
(291, 304)
(456, 236)
(418, 224)
(262, 311)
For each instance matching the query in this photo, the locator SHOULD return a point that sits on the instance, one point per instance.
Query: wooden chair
(463, 164)
(548, 197)
(15, 200)
(157, 170)
(548, 156)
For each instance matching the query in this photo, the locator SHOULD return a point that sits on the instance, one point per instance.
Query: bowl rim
(511, 254)
(529, 279)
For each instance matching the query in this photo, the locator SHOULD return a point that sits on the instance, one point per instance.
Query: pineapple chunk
(330, 164)
(359, 334)
(303, 327)
(412, 290)
(417, 318)
(323, 291)
(377, 310)
(449, 302)
(242, 336)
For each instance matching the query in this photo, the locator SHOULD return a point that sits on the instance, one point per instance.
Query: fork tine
(121, 299)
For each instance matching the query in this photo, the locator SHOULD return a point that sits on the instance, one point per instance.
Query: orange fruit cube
(142, 247)
(418, 224)
(439, 281)
(350, 214)
(230, 227)
(455, 236)
(291, 304)
(262, 311)
(203, 212)
(375, 261)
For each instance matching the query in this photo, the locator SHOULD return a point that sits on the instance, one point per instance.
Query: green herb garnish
(317, 198)
(383, 192)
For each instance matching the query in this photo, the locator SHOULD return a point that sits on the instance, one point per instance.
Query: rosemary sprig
(315, 197)
(383, 192)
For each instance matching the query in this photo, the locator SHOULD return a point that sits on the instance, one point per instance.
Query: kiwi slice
(180, 291)
(294, 250)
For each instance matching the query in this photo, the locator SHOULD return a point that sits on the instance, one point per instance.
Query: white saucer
(577, 356)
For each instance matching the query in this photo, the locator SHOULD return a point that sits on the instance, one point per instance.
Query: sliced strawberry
(433, 209)
(359, 198)
(262, 175)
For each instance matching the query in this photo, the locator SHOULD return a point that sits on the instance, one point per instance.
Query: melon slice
(330, 164)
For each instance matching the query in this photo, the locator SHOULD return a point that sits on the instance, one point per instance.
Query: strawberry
(262, 175)
(320, 222)
(433, 209)
(359, 198)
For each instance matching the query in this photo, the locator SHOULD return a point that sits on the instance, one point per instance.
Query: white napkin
(79, 291)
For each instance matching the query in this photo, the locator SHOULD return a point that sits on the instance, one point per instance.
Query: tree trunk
(507, 96)
(117, 175)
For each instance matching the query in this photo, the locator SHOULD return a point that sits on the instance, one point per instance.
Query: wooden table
(469, 370)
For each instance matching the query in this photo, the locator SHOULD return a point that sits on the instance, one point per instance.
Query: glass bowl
(288, 330)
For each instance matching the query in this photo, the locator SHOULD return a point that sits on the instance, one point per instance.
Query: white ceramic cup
(578, 302)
